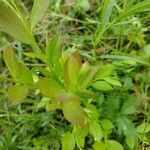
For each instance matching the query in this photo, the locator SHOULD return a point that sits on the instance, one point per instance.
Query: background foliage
(112, 38)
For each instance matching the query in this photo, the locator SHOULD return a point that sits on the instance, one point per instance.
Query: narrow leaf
(38, 11)
(106, 12)
(53, 51)
(11, 23)
(139, 7)
(71, 71)
(20, 72)
(114, 145)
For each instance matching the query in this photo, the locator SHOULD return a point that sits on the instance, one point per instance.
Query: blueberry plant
(86, 93)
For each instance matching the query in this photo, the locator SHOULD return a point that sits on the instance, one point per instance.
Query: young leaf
(53, 51)
(17, 93)
(11, 23)
(20, 72)
(87, 77)
(71, 71)
(96, 131)
(106, 12)
(38, 11)
(102, 85)
(74, 113)
(49, 87)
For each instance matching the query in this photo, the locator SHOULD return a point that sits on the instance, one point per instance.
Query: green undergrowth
(75, 75)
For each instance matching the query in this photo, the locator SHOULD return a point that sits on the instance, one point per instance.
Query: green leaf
(143, 128)
(80, 134)
(112, 81)
(49, 87)
(36, 55)
(38, 11)
(99, 146)
(107, 124)
(139, 7)
(106, 12)
(146, 50)
(74, 113)
(20, 72)
(53, 51)
(96, 131)
(17, 93)
(87, 76)
(104, 71)
(84, 5)
(53, 106)
(102, 85)
(68, 141)
(92, 112)
(11, 23)
(71, 71)
(114, 145)
(110, 145)
(129, 106)
(131, 141)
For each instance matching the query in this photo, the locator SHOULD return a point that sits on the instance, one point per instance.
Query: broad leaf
(104, 71)
(102, 85)
(20, 72)
(96, 131)
(38, 11)
(53, 51)
(17, 93)
(68, 141)
(99, 146)
(114, 145)
(107, 124)
(11, 23)
(80, 134)
(143, 128)
(110, 145)
(49, 87)
(74, 113)
(92, 112)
